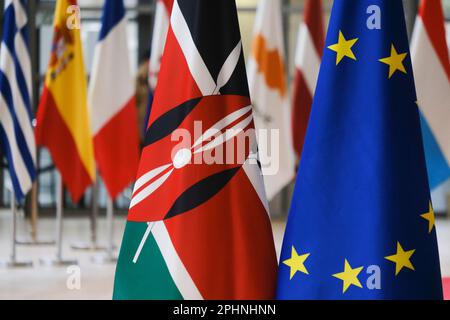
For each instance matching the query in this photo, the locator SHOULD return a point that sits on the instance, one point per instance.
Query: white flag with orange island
(270, 97)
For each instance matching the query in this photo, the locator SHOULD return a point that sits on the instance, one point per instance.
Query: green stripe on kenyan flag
(149, 277)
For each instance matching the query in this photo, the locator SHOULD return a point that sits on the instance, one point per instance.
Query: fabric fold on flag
(432, 72)
(270, 98)
(194, 219)
(310, 43)
(361, 223)
(112, 103)
(16, 130)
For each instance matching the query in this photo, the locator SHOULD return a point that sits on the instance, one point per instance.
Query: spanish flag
(63, 121)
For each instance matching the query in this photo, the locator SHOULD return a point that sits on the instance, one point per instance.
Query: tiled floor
(42, 282)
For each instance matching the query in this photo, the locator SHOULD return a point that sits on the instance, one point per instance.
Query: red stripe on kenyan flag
(226, 245)
(172, 90)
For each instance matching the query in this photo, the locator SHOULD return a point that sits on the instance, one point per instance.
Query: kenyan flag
(198, 225)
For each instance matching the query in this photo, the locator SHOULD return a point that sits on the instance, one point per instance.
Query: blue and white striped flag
(16, 130)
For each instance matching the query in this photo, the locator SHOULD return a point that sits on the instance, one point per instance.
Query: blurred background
(97, 279)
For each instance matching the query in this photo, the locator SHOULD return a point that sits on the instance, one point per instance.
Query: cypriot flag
(270, 97)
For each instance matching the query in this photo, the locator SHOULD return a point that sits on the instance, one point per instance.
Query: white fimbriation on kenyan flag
(308, 55)
(270, 97)
(198, 229)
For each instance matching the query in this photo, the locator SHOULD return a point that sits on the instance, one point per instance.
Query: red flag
(310, 44)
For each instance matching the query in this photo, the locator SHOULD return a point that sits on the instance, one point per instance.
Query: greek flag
(16, 130)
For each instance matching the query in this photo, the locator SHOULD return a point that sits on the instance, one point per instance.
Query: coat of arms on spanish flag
(63, 124)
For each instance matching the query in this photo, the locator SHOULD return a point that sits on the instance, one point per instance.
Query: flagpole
(110, 228)
(33, 239)
(58, 260)
(13, 262)
(34, 213)
(109, 256)
(32, 30)
(93, 217)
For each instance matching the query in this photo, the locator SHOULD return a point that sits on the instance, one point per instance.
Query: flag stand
(13, 262)
(33, 239)
(58, 260)
(92, 245)
(109, 256)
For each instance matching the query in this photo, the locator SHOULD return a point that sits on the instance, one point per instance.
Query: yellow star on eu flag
(296, 262)
(395, 61)
(349, 276)
(429, 216)
(402, 259)
(343, 48)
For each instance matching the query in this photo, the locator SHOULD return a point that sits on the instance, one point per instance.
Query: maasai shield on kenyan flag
(198, 225)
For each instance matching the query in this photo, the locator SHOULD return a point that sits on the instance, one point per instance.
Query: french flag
(112, 103)
(308, 56)
(432, 73)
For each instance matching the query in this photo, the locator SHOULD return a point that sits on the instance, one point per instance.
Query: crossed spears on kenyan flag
(183, 156)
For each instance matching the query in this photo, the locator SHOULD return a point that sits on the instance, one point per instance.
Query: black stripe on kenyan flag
(168, 122)
(215, 29)
(201, 192)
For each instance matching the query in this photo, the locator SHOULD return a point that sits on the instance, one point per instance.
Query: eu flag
(361, 224)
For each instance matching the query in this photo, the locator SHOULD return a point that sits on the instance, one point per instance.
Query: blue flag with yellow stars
(361, 223)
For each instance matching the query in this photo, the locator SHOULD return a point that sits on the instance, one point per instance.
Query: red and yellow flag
(63, 121)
